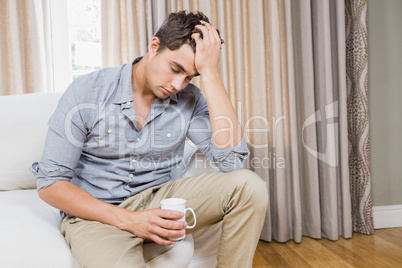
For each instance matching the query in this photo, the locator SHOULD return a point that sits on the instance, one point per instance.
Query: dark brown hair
(177, 29)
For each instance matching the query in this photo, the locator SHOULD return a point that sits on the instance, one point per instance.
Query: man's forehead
(183, 58)
(186, 69)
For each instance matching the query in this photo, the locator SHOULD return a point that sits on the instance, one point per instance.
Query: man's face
(168, 71)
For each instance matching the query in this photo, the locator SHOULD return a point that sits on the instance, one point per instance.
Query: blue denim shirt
(94, 143)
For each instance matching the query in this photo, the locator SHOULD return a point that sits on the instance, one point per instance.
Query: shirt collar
(124, 92)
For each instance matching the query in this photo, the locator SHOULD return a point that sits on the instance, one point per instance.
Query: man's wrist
(121, 218)
(210, 74)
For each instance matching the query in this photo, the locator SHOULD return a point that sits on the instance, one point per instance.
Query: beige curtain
(284, 67)
(120, 20)
(297, 81)
(24, 46)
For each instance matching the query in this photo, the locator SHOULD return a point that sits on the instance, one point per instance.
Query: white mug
(178, 204)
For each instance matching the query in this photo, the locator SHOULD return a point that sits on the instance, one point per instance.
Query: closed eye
(178, 71)
(174, 70)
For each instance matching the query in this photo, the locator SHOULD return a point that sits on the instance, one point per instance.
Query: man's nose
(178, 83)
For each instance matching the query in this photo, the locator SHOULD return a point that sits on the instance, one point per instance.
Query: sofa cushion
(23, 124)
(30, 232)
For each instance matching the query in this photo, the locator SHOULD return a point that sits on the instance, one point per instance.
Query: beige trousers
(237, 198)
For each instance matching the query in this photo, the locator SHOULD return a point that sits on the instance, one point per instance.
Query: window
(84, 36)
(76, 39)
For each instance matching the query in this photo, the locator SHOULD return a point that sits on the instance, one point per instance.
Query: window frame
(60, 46)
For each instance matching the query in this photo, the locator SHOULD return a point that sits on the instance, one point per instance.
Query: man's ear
(153, 45)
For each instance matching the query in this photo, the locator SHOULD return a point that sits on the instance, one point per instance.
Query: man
(118, 133)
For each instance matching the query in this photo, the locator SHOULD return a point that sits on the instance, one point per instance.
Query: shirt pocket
(167, 143)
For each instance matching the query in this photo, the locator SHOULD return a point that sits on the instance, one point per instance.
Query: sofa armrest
(22, 136)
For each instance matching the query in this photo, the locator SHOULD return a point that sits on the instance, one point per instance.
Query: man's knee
(252, 186)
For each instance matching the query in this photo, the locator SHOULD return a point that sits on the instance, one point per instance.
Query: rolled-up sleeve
(67, 130)
(226, 159)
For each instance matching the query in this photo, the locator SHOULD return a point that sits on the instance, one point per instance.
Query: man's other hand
(157, 225)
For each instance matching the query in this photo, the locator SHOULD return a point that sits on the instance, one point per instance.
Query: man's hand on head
(208, 49)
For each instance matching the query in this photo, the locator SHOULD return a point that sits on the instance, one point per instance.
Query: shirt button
(128, 103)
(109, 131)
(168, 135)
(131, 175)
(127, 187)
(138, 139)
(133, 161)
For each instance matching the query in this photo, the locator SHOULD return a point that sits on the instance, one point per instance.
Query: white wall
(385, 100)
(385, 108)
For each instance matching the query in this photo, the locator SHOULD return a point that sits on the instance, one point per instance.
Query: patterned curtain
(358, 117)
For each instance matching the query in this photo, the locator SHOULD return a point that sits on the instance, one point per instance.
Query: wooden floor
(383, 249)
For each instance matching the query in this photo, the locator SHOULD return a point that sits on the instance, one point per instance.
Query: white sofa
(30, 228)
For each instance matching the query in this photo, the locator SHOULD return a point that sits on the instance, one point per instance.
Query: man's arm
(225, 126)
(150, 223)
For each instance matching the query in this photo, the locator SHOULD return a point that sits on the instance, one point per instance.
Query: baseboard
(387, 216)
